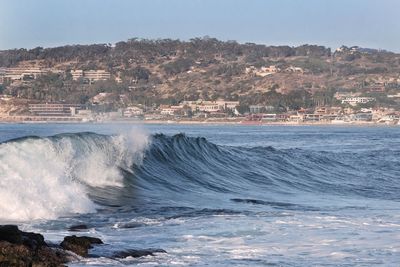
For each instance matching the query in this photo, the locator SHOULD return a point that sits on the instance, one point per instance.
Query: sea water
(207, 194)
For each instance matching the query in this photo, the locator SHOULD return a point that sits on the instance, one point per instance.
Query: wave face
(45, 178)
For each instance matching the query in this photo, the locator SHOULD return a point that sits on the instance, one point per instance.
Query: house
(269, 117)
(357, 100)
(210, 106)
(292, 69)
(21, 73)
(6, 97)
(227, 105)
(296, 118)
(361, 116)
(170, 110)
(132, 112)
(263, 71)
(254, 109)
(312, 117)
(91, 75)
(102, 98)
(55, 109)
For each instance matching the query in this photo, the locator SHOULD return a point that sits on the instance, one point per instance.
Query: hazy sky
(367, 23)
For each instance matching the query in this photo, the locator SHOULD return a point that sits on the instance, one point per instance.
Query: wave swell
(49, 177)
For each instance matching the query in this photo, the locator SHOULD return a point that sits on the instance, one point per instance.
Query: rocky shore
(18, 248)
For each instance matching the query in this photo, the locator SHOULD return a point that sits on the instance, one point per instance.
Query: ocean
(216, 195)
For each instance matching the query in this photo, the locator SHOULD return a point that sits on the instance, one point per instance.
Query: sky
(332, 23)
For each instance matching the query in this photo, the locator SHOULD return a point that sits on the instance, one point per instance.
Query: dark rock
(21, 255)
(79, 244)
(136, 253)
(14, 255)
(18, 248)
(10, 233)
(46, 256)
(131, 225)
(78, 227)
(33, 240)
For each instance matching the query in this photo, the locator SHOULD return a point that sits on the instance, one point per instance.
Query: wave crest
(44, 178)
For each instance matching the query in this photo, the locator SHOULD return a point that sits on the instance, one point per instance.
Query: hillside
(169, 71)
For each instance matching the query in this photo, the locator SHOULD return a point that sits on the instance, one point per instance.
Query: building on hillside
(54, 109)
(211, 106)
(103, 98)
(395, 96)
(2, 73)
(132, 112)
(254, 109)
(296, 118)
(167, 111)
(293, 69)
(312, 117)
(263, 71)
(328, 110)
(76, 74)
(91, 75)
(227, 105)
(361, 116)
(269, 117)
(344, 95)
(170, 110)
(389, 118)
(6, 97)
(21, 73)
(97, 75)
(357, 100)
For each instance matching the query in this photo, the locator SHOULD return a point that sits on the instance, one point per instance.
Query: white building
(132, 112)
(76, 74)
(91, 75)
(168, 111)
(55, 109)
(263, 71)
(293, 69)
(97, 75)
(102, 98)
(357, 100)
(211, 106)
(19, 73)
(227, 105)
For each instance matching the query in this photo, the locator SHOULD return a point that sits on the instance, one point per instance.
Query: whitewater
(208, 194)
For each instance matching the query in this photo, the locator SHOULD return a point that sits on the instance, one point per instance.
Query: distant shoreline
(190, 122)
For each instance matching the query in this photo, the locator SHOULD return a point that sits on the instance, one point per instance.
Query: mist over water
(220, 195)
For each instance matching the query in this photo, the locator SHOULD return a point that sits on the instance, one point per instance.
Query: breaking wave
(49, 177)
(44, 178)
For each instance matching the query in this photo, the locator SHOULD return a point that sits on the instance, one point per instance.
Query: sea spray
(44, 178)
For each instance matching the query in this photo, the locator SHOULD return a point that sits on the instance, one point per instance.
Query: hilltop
(168, 71)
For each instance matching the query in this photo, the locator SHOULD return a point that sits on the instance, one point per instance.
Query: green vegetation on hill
(168, 71)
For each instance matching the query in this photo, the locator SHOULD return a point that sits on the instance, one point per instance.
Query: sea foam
(44, 178)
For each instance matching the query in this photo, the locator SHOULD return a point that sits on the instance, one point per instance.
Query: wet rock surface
(78, 227)
(79, 244)
(136, 253)
(18, 248)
